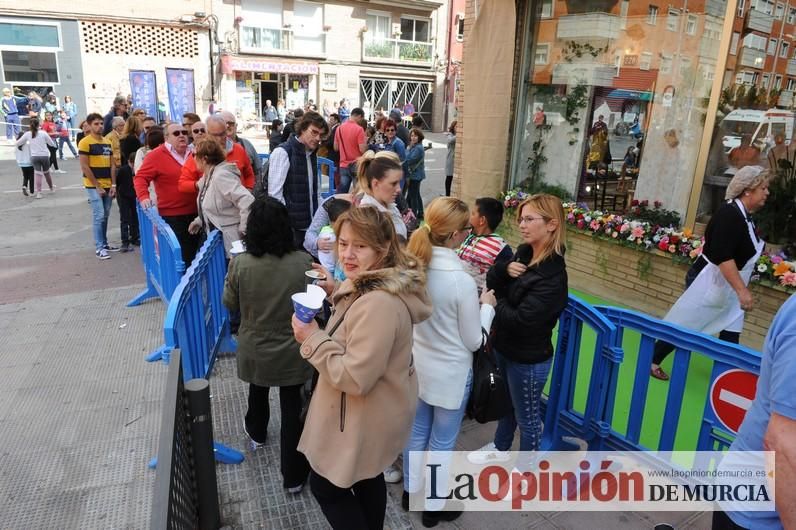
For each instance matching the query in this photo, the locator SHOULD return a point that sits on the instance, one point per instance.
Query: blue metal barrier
(321, 162)
(161, 255)
(198, 323)
(561, 418)
(714, 434)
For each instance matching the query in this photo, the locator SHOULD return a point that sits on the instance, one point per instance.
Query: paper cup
(237, 248)
(305, 307)
(313, 276)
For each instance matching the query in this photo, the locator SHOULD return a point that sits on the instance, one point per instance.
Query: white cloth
(38, 145)
(710, 304)
(327, 258)
(23, 155)
(181, 159)
(139, 158)
(444, 344)
(395, 214)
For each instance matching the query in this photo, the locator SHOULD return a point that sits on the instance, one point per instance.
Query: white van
(760, 125)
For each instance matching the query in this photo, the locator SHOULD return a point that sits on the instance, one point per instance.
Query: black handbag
(489, 399)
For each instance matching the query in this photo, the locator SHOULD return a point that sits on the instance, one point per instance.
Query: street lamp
(212, 25)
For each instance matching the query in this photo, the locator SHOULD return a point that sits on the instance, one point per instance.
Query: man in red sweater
(162, 166)
(217, 130)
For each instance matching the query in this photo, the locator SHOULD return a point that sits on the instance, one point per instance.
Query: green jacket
(268, 354)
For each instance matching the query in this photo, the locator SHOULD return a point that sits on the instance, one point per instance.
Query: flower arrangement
(774, 268)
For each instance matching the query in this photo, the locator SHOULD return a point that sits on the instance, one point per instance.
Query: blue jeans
(65, 140)
(101, 210)
(434, 429)
(526, 382)
(12, 126)
(345, 180)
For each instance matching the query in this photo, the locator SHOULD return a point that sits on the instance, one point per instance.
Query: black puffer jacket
(528, 307)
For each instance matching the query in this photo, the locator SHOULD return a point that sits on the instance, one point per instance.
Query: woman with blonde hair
(379, 179)
(443, 347)
(362, 408)
(531, 293)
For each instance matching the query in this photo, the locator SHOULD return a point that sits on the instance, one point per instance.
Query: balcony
(708, 48)
(595, 74)
(785, 99)
(716, 8)
(791, 67)
(758, 21)
(752, 58)
(397, 51)
(270, 41)
(588, 26)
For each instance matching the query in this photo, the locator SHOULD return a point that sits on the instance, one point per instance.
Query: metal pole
(212, 66)
(198, 394)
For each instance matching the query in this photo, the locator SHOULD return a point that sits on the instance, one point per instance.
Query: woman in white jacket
(444, 345)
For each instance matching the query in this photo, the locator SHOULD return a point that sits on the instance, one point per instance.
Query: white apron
(710, 304)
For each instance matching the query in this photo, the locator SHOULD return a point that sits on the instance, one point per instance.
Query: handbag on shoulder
(489, 399)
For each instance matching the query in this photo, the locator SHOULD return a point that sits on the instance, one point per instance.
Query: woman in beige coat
(223, 202)
(364, 403)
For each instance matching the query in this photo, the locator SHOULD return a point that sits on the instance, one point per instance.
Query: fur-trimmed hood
(407, 284)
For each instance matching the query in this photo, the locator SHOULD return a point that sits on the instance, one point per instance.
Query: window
(741, 5)
(783, 51)
(378, 26)
(772, 46)
(779, 12)
(746, 78)
(617, 65)
(415, 29)
(734, 43)
(542, 56)
(792, 15)
(766, 81)
(460, 27)
(652, 15)
(40, 36)
(778, 82)
(765, 6)
(645, 62)
(547, 8)
(756, 42)
(673, 20)
(623, 14)
(329, 81)
(791, 84)
(685, 65)
(666, 64)
(691, 24)
(29, 67)
(708, 74)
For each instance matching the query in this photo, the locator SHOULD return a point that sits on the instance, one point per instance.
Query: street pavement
(80, 409)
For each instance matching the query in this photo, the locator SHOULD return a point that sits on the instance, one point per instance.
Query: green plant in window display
(576, 50)
(777, 219)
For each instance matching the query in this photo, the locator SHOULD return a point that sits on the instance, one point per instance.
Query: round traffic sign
(731, 396)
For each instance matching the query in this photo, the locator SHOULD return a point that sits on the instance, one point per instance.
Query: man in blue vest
(292, 175)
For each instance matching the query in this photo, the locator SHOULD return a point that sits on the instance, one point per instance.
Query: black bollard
(198, 395)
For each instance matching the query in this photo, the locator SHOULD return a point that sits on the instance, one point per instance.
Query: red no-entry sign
(731, 396)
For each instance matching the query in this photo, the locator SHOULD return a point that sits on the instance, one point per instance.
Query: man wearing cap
(716, 294)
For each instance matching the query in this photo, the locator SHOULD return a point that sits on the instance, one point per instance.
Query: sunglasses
(389, 130)
(198, 131)
(180, 133)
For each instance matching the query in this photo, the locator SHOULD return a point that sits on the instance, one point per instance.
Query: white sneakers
(488, 454)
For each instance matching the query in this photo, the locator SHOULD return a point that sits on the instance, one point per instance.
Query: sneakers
(25, 191)
(111, 249)
(38, 196)
(126, 248)
(103, 254)
(488, 454)
(60, 171)
(393, 475)
(52, 190)
(295, 490)
(431, 519)
(253, 445)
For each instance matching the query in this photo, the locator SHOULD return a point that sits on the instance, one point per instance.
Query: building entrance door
(269, 90)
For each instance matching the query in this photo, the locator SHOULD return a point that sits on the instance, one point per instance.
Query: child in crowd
(275, 138)
(62, 128)
(24, 163)
(125, 197)
(335, 208)
(483, 247)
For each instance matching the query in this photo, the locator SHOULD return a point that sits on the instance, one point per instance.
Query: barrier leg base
(145, 295)
(161, 353)
(227, 455)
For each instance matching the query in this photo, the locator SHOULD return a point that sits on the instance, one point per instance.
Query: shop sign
(630, 60)
(232, 64)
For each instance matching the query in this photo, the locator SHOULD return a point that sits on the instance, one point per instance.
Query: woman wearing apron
(716, 294)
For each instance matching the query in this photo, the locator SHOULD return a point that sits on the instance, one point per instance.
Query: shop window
(652, 15)
(734, 43)
(673, 20)
(415, 29)
(783, 50)
(329, 81)
(29, 67)
(542, 55)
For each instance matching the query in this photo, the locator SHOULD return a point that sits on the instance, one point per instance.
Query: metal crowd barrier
(161, 255)
(321, 162)
(186, 487)
(197, 322)
(602, 424)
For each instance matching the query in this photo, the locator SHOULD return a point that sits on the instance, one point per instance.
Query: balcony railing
(752, 58)
(716, 8)
(588, 26)
(272, 41)
(397, 51)
(759, 21)
(791, 67)
(785, 98)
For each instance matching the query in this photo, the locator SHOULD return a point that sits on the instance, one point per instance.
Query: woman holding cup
(364, 403)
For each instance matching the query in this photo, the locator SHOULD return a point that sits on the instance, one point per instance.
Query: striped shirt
(99, 154)
(479, 253)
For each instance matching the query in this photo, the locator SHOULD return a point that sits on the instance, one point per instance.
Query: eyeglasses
(147, 127)
(198, 131)
(529, 219)
(222, 134)
(389, 130)
(180, 133)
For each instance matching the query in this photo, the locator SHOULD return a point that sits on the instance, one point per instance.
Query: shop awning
(622, 93)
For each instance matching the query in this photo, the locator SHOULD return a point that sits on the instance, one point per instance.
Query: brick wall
(645, 281)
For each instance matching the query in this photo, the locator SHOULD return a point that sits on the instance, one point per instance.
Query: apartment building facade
(376, 54)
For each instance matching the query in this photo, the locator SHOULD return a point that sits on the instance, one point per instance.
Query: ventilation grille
(128, 39)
